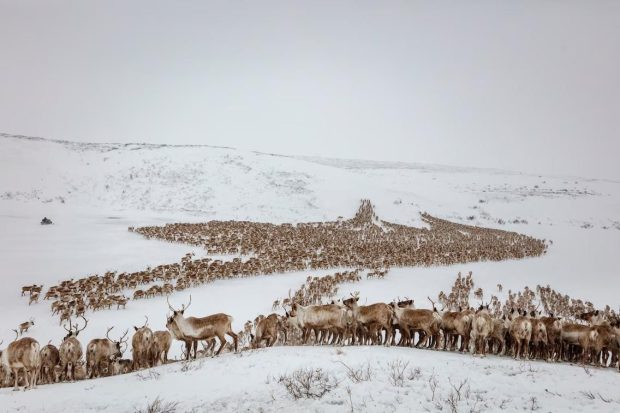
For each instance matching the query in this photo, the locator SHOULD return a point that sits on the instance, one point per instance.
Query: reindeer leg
(35, 376)
(235, 338)
(222, 344)
(26, 374)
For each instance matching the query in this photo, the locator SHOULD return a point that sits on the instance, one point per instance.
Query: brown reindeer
(317, 319)
(25, 326)
(141, 346)
(71, 350)
(190, 343)
(481, 329)
(23, 354)
(266, 330)
(540, 340)
(554, 339)
(162, 340)
(498, 335)
(101, 353)
(375, 317)
(410, 320)
(521, 333)
(50, 358)
(455, 325)
(603, 341)
(216, 325)
(121, 366)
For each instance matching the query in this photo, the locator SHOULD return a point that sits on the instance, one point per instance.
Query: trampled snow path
(248, 382)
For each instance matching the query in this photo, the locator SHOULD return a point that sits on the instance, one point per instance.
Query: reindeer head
(122, 341)
(294, 310)
(144, 326)
(179, 313)
(74, 332)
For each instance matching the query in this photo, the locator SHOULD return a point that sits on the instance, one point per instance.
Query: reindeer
(603, 341)
(553, 328)
(455, 325)
(22, 354)
(481, 329)
(498, 334)
(521, 333)
(190, 344)
(26, 289)
(71, 350)
(50, 358)
(317, 318)
(162, 340)
(539, 341)
(375, 317)
(25, 326)
(426, 322)
(103, 350)
(216, 325)
(141, 346)
(121, 302)
(121, 366)
(266, 330)
(593, 318)
(34, 298)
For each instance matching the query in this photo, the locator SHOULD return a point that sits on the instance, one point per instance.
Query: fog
(529, 85)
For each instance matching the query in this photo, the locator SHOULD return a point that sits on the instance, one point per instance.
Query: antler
(169, 306)
(65, 327)
(124, 342)
(81, 329)
(188, 304)
(108, 332)
(16, 335)
(432, 302)
(123, 336)
(147, 321)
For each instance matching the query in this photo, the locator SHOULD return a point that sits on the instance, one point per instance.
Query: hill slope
(93, 192)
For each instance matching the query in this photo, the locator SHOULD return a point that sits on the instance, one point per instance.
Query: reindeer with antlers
(104, 350)
(71, 350)
(204, 328)
(141, 346)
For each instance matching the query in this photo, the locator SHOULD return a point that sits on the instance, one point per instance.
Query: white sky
(525, 85)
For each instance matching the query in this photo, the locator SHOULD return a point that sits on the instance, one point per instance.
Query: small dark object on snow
(46, 221)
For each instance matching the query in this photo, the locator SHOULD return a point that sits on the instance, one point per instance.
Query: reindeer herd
(591, 337)
(575, 333)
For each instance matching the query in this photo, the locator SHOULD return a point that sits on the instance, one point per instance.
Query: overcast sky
(524, 85)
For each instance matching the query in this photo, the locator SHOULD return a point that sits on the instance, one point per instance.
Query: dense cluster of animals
(517, 327)
(361, 242)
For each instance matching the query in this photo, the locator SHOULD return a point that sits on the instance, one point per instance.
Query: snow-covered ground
(250, 382)
(93, 192)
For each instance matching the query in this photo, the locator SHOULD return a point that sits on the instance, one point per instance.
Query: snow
(93, 192)
(249, 382)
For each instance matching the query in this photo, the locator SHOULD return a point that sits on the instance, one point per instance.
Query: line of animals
(591, 337)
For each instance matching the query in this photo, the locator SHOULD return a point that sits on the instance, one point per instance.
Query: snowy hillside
(94, 192)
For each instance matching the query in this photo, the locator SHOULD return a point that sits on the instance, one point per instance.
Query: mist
(529, 86)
